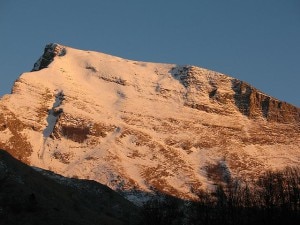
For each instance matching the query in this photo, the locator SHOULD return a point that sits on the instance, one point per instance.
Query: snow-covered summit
(140, 126)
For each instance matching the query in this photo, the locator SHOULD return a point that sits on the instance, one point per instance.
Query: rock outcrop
(51, 50)
(255, 104)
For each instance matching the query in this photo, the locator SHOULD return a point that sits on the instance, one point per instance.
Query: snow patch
(53, 114)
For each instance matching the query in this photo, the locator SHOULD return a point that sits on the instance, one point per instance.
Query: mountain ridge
(138, 126)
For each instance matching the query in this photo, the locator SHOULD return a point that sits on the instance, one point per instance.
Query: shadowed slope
(29, 197)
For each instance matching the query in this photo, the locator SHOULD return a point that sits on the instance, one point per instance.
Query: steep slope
(29, 197)
(138, 127)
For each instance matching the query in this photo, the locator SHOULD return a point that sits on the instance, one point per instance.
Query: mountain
(141, 127)
(31, 196)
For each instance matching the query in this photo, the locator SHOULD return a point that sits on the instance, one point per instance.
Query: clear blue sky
(257, 41)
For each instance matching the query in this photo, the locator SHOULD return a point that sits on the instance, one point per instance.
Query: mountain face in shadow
(34, 196)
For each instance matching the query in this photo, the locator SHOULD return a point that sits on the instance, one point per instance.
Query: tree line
(273, 198)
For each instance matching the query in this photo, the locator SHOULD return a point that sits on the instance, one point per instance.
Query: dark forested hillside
(274, 199)
(29, 197)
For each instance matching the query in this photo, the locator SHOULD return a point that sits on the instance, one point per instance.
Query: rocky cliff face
(51, 50)
(139, 127)
(255, 104)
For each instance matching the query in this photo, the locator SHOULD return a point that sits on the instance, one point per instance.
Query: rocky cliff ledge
(217, 93)
(51, 50)
(253, 103)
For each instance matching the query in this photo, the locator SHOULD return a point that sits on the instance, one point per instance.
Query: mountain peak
(140, 126)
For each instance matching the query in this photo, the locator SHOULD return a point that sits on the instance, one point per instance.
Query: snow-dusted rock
(51, 50)
(138, 126)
